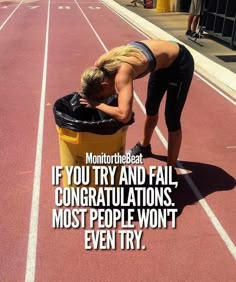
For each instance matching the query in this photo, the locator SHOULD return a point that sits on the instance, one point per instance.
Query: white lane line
(33, 229)
(214, 220)
(99, 39)
(24, 2)
(219, 228)
(216, 89)
(8, 18)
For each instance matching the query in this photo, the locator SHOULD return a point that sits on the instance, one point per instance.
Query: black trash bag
(70, 114)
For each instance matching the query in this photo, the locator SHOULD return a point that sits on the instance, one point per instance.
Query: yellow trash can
(87, 137)
(163, 6)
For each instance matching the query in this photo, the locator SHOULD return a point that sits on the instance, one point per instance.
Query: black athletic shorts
(175, 80)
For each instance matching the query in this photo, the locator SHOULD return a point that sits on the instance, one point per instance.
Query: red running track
(45, 46)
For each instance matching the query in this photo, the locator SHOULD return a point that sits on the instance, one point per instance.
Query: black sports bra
(149, 55)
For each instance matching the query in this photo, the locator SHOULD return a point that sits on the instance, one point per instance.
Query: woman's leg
(180, 81)
(149, 126)
(157, 85)
(174, 144)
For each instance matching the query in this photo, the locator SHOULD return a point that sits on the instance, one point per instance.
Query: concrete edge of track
(218, 75)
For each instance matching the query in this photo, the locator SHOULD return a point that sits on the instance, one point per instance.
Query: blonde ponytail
(111, 60)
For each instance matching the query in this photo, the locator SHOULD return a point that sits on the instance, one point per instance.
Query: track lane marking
(214, 220)
(216, 89)
(33, 229)
(8, 18)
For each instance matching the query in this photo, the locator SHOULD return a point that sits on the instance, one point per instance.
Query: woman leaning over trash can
(171, 69)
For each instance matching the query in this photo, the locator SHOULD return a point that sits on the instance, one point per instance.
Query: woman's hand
(88, 103)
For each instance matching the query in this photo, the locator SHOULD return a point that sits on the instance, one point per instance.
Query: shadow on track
(207, 178)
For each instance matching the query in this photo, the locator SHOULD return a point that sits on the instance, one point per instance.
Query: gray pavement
(174, 24)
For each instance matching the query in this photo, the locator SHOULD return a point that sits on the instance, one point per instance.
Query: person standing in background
(193, 18)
